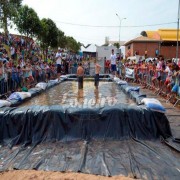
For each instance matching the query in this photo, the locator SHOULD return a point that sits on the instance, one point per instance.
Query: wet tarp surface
(35, 124)
(107, 141)
(140, 159)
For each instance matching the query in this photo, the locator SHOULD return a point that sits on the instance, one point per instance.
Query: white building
(105, 51)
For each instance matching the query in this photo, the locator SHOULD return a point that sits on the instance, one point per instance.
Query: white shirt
(12, 50)
(58, 56)
(168, 71)
(113, 59)
(22, 64)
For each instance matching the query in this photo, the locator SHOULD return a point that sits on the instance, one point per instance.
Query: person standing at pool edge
(113, 62)
(80, 74)
(58, 62)
(97, 71)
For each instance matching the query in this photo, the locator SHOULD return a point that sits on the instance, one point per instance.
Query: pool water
(67, 94)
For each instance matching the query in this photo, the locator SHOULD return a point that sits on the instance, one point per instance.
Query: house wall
(141, 47)
(167, 51)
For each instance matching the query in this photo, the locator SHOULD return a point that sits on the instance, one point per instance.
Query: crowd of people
(25, 64)
(158, 74)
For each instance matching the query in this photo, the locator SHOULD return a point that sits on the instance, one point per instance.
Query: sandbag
(137, 96)
(19, 96)
(41, 85)
(53, 81)
(4, 103)
(15, 96)
(63, 77)
(116, 79)
(153, 104)
(121, 82)
(132, 88)
(24, 95)
(34, 91)
(123, 87)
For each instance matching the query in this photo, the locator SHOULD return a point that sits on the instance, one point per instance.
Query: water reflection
(113, 90)
(96, 95)
(80, 96)
(68, 95)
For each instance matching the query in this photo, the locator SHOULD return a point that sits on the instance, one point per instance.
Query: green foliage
(8, 10)
(49, 33)
(61, 39)
(28, 22)
(117, 45)
(72, 44)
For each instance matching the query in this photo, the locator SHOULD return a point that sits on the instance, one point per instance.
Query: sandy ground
(44, 175)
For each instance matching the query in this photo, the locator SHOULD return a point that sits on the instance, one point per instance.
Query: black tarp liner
(106, 76)
(42, 123)
(138, 159)
(102, 77)
(90, 79)
(107, 141)
(121, 139)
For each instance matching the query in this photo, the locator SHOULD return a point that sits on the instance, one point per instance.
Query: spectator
(59, 62)
(107, 65)
(113, 62)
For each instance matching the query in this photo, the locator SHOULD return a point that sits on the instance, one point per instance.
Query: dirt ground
(49, 175)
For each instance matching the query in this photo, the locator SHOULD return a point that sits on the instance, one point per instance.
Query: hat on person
(59, 48)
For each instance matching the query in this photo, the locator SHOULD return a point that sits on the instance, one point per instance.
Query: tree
(8, 10)
(117, 45)
(49, 34)
(28, 22)
(72, 44)
(61, 39)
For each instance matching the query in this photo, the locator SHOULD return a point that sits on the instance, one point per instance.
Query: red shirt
(107, 63)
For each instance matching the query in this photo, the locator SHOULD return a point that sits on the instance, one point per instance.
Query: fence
(146, 77)
(155, 80)
(14, 83)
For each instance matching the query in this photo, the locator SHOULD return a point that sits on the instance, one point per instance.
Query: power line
(95, 26)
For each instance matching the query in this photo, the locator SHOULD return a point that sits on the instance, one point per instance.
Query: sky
(90, 21)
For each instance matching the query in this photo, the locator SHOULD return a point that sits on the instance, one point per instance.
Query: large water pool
(67, 94)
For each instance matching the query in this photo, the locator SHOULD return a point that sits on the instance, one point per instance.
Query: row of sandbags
(140, 98)
(17, 98)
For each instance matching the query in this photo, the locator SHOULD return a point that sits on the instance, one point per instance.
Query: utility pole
(120, 20)
(177, 47)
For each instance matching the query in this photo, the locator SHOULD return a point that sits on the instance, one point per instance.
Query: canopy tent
(91, 48)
